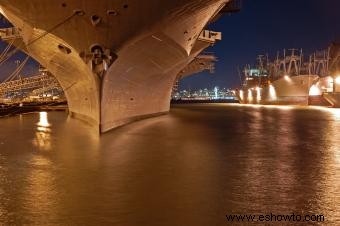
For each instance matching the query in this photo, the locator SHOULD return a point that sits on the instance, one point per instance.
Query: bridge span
(116, 61)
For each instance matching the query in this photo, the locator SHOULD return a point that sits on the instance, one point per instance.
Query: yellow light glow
(337, 80)
(334, 111)
(43, 120)
(258, 94)
(314, 91)
(250, 95)
(287, 78)
(272, 92)
(43, 136)
(241, 94)
(281, 107)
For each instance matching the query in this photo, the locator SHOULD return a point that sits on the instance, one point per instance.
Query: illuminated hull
(115, 60)
(284, 91)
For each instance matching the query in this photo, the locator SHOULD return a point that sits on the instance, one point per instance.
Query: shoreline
(203, 101)
(17, 109)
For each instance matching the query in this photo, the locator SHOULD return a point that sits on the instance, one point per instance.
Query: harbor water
(193, 166)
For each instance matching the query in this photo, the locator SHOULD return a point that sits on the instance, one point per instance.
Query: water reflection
(335, 112)
(43, 121)
(41, 188)
(42, 138)
(190, 167)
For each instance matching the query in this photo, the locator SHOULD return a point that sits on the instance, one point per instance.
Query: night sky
(262, 26)
(268, 26)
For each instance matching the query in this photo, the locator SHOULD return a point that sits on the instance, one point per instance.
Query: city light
(205, 94)
(216, 92)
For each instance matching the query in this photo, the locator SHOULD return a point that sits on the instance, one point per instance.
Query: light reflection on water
(334, 111)
(190, 167)
(43, 120)
(43, 134)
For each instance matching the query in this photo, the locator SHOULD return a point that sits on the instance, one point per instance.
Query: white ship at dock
(288, 80)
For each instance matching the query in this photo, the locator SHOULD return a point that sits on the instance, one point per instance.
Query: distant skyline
(262, 26)
(267, 26)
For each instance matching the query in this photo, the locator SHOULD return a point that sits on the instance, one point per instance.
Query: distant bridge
(39, 83)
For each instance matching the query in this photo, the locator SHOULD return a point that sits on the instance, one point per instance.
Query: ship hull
(116, 62)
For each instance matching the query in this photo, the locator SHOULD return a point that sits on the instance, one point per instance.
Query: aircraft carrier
(115, 60)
